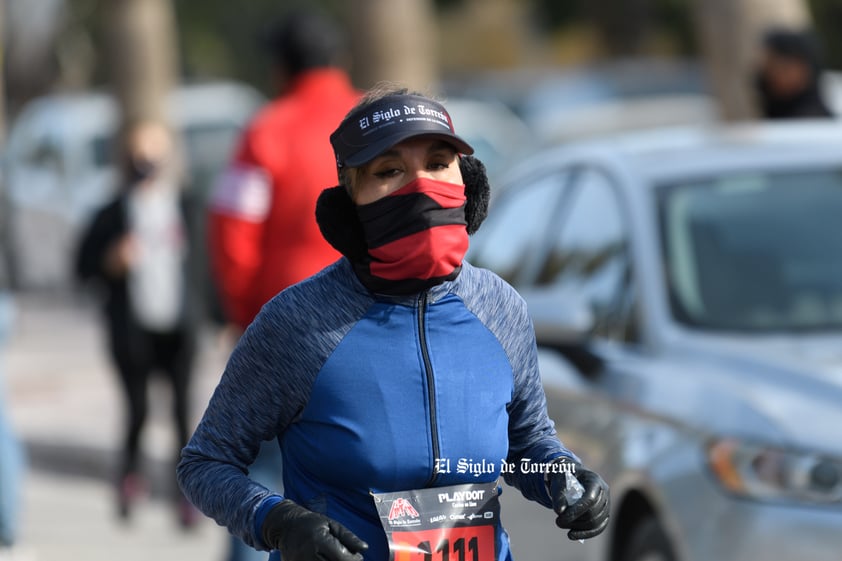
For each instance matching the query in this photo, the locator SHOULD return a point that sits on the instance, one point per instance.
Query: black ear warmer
(477, 191)
(340, 226)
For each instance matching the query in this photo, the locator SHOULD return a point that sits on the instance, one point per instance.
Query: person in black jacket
(136, 251)
(788, 76)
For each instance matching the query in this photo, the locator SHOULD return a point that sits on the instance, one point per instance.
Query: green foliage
(827, 18)
(675, 17)
(222, 38)
(549, 15)
(668, 17)
(442, 5)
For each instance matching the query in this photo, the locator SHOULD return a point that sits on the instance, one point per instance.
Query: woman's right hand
(303, 535)
(120, 257)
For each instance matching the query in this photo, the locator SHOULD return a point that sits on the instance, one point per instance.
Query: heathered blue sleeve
(265, 385)
(532, 433)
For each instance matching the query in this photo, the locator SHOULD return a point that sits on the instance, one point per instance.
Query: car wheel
(648, 542)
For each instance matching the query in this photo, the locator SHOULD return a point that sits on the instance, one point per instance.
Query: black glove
(303, 535)
(587, 517)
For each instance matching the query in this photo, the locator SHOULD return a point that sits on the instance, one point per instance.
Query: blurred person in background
(263, 234)
(11, 455)
(788, 76)
(136, 251)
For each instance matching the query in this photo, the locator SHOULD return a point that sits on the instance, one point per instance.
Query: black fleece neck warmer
(338, 220)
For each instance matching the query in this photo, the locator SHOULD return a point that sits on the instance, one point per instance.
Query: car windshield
(755, 252)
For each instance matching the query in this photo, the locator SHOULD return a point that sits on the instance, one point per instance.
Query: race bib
(455, 523)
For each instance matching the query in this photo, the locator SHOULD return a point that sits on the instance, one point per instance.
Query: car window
(514, 234)
(755, 251)
(589, 254)
(211, 141)
(102, 150)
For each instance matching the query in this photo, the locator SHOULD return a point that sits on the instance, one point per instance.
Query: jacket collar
(434, 294)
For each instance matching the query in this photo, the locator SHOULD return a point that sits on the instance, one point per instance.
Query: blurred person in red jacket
(262, 230)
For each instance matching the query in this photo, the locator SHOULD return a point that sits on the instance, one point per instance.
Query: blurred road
(65, 405)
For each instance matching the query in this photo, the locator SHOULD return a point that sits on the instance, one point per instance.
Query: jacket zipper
(431, 385)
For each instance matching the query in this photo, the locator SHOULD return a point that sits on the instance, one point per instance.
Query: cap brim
(375, 149)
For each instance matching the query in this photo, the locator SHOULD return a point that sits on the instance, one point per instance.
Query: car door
(587, 255)
(36, 168)
(513, 240)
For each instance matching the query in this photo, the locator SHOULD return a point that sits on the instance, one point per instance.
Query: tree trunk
(141, 42)
(394, 41)
(2, 84)
(730, 32)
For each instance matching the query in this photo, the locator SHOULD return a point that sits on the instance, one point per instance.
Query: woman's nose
(418, 172)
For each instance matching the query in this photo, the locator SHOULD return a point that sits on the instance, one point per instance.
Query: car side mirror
(564, 321)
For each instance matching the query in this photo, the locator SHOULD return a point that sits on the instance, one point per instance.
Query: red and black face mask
(412, 239)
(416, 237)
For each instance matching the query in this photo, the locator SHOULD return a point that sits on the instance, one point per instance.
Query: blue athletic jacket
(364, 393)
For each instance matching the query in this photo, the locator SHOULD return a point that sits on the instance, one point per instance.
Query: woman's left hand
(586, 517)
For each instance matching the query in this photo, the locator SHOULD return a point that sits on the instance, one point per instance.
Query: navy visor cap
(369, 131)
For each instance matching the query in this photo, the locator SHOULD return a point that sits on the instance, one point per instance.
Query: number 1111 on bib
(471, 543)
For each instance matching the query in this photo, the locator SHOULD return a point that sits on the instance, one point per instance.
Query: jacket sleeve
(531, 432)
(236, 227)
(254, 402)
(90, 253)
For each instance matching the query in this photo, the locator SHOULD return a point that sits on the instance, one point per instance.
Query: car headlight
(775, 474)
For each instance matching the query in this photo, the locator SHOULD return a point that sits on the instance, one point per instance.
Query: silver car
(686, 290)
(59, 166)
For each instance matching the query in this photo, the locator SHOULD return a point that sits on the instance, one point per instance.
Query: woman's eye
(383, 174)
(439, 165)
